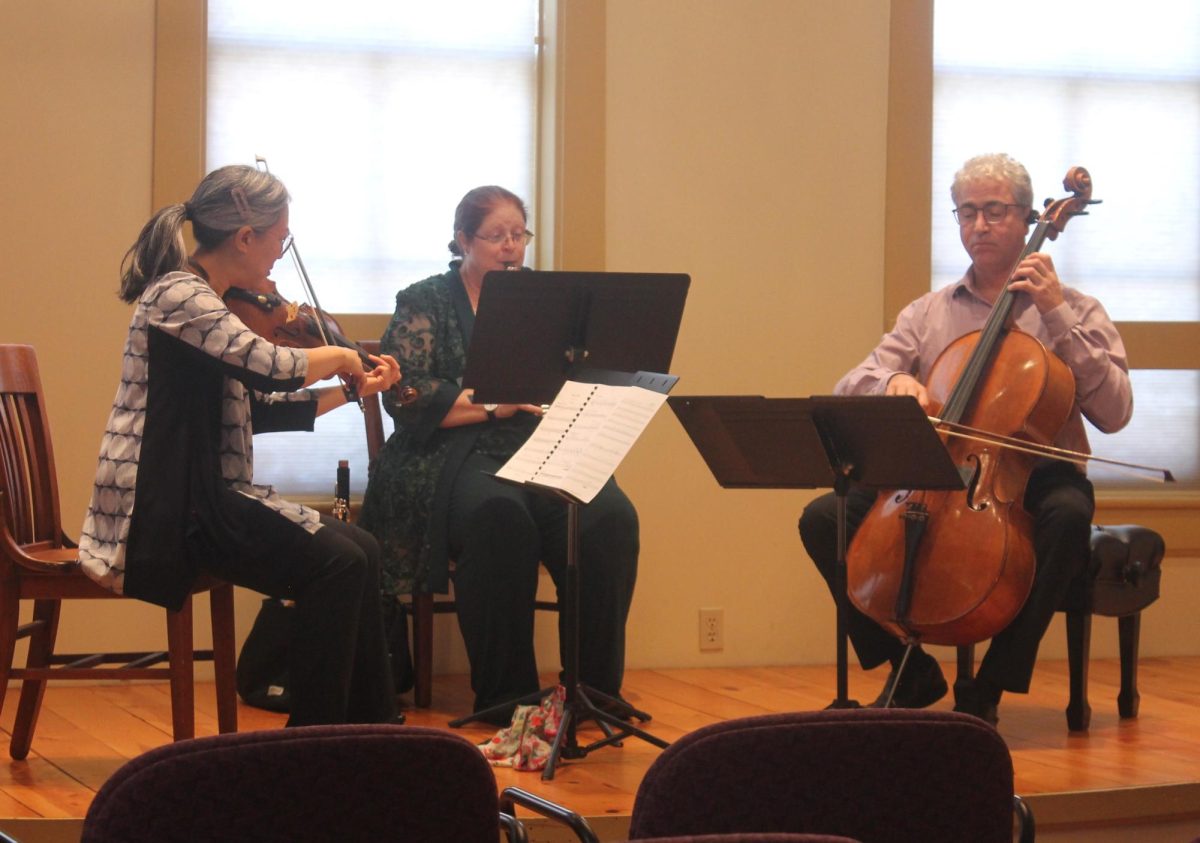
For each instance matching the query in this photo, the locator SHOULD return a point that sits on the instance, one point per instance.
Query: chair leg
(966, 670)
(1079, 646)
(10, 608)
(41, 645)
(422, 604)
(224, 656)
(180, 652)
(1129, 630)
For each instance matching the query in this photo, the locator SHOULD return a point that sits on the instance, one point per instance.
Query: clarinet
(341, 492)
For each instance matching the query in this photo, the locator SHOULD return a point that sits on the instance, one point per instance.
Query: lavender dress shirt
(1079, 331)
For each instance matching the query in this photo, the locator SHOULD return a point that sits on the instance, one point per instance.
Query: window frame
(907, 262)
(569, 132)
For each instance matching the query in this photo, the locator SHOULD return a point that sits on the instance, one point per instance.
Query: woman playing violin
(993, 205)
(174, 493)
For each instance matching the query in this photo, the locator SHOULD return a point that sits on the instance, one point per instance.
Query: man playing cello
(993, 200)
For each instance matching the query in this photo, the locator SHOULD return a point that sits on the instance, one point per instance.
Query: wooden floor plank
(87, 731)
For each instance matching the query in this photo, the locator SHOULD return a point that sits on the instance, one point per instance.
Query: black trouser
(499, 534)
(339, 668)
(1062, 503)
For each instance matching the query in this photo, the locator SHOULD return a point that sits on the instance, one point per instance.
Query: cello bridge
(916, 511)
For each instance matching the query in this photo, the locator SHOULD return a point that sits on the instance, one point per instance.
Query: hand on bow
(905, 384)
(384, 376)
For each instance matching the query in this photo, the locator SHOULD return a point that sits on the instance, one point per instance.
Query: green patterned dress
(409, 483)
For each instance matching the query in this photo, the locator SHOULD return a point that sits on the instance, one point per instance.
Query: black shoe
(500, 719)
(399, 719)
(921, 685)
(617, 708)
(982, 703)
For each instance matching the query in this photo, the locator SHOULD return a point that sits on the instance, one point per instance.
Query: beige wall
(736, 154)
(76, 108)
(746, 144)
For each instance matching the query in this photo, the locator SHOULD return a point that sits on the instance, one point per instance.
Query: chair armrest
(514, 832)
(42, 557)
(1025, 825)
(48, 559)
(556, 812)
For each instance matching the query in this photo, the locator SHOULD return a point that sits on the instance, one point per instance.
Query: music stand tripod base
(578, 705)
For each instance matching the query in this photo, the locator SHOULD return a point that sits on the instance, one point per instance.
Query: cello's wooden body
(956, 567)
(975, 563)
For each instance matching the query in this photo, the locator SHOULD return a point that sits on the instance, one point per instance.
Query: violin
(297, 325)
(283, 322)
(955, 567)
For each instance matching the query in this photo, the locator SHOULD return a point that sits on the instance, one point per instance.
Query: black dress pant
(499, 534)
(1062, 504)
(339, 671)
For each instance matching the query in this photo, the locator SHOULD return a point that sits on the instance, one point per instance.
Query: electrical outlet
(712, 629)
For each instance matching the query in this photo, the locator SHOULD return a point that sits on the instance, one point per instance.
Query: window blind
(1118, 92)
(378, 115)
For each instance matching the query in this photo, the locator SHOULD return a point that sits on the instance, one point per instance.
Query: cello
(955, 567)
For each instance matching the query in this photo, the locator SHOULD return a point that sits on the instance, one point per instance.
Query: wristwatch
(490, 409)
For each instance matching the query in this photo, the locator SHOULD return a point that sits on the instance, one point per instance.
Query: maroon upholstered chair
(886, 775)
(510, 797)
(769, 837)
(349, 782)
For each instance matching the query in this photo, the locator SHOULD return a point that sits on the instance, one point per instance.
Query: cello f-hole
(973, 485)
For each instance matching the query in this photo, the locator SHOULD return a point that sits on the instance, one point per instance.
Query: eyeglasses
(287, 244)
(518, 237)
(992, 212)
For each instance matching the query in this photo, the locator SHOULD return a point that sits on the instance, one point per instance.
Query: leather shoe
(618, 708)
(969, 699)
(921, 685)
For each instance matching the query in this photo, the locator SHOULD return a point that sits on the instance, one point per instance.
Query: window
(378, 116)
(1088, 83)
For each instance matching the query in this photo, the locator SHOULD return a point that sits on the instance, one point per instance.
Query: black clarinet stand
(532, 332)
(877, 442)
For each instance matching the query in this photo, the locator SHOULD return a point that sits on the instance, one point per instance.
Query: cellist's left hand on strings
(384, 376)
(1036, 276)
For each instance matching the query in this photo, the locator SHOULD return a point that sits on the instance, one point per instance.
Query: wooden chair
(38, 562)
(1121, 579)
(423, 604)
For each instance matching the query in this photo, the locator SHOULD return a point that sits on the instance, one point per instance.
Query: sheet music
(583, 437)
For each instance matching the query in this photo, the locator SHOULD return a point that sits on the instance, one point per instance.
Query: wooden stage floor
(1118, 773)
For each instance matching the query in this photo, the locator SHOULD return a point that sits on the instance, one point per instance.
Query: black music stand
(879, 442)
(534, 331)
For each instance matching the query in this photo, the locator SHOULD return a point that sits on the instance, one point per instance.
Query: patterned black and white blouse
(195, 385)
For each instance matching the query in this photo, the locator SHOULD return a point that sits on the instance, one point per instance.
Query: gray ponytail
(225, 200)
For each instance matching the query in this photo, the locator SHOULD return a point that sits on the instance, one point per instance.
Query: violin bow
(310, 292)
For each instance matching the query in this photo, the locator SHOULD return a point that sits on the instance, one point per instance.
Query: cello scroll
(1057, 212)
